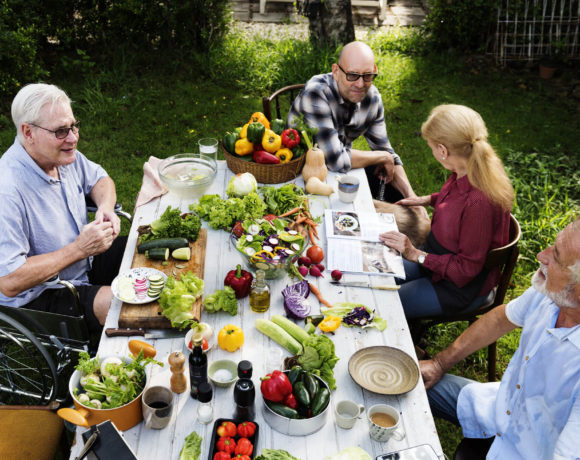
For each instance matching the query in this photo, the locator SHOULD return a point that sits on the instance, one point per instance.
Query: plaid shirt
(340, 122)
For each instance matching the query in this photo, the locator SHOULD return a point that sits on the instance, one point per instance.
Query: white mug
(384, 423)
(347, 188)
(157, 405)
(347, 412)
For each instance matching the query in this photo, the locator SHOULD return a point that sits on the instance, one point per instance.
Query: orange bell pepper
(259, 117)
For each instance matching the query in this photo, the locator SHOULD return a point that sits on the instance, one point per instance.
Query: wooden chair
(505, 258)
(273, 99)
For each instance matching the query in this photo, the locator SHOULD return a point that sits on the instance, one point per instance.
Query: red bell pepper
(227, 445)
(290, 401)
(263, 157)
(240, 281)
(243, 457)
(244, 447)
(227, 429)
(290, 138)
(222, 456)
(246, 429)
(276, 386)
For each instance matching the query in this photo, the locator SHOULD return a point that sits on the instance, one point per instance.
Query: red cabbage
(358, 316)
(295, 303)
(302, 288)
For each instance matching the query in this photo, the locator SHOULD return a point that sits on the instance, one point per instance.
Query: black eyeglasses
(61, 133)
(351, 76)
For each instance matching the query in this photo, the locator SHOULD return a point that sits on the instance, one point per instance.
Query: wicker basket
(266, 174)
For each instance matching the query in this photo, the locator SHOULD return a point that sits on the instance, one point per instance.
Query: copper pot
(124, 417)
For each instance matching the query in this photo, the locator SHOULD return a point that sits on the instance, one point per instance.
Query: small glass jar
(260, 293)
(205, 408)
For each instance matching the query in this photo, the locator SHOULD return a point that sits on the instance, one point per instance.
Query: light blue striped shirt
(40, 214)
(535, 412)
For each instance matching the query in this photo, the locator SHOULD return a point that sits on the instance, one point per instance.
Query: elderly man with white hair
(534, 412)
(43, 215)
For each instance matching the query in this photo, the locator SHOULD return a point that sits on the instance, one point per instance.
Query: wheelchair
(39, 350)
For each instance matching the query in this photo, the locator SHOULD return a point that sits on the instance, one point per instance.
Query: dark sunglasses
(61, 133)
(351, 76)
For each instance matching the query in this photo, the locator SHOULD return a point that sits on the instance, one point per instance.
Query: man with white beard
(534, 412)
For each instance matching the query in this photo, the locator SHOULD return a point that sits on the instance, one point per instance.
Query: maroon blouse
(468, 225)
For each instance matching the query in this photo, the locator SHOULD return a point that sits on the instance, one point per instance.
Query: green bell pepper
(256, 132)
(278, 126)
(229, 142)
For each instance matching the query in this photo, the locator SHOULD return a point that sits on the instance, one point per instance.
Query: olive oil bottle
(260, 293)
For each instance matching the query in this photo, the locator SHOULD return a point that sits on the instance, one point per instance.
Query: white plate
(133, 274)
(187, 339)
(346, 222)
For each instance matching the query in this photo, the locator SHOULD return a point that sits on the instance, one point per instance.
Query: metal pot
(296, 427)
(124, 417)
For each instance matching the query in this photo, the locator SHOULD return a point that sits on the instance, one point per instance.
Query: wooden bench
(381, 5)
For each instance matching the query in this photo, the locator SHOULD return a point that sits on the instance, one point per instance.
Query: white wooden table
(220, 258)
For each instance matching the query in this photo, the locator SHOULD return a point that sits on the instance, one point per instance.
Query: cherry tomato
(204, 345)
(315, 253)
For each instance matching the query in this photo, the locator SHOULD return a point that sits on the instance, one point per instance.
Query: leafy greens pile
(356, 314)
(177, 298)
(282, 199)
(319, 358)
(172, 225)
(191, 450)
(223, 214)
(275, 454)
(222, 300)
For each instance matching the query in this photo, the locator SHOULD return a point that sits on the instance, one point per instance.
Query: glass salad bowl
(188, 174)
(268, 244)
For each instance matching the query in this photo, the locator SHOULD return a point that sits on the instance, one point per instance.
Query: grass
(130, 112)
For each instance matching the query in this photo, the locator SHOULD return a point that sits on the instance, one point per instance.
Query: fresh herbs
(282, 199)
(177, 298)
(172, 224)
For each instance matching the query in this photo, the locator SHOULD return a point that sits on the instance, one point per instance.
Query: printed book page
(365, 226)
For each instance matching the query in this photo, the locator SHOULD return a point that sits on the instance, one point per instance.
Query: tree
(330, 21)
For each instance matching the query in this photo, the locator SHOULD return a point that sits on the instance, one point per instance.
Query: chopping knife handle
(395, 287)
(123, 332)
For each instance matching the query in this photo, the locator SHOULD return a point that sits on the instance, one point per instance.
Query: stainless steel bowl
(296, 427)
(188, 174)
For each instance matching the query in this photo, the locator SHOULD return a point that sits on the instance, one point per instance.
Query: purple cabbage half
(295, 303)
(358, 316)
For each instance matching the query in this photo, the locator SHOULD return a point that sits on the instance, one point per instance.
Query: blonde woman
(470, 217)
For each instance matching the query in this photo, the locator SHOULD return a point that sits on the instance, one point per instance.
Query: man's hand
(431, 371)
(109, 216)
(401, 243)
(419, 202)
(95, 238)
(386, 169)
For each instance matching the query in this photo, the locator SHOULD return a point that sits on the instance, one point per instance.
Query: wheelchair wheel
(27, 372)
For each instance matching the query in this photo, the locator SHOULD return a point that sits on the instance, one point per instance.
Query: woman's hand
(415, 201)
(401, 243)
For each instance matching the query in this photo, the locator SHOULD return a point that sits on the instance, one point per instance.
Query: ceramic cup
(157, 404)
(347, 188)
(384, 423)
(347, 412)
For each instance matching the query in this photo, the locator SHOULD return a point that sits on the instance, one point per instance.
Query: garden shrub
(462, 25)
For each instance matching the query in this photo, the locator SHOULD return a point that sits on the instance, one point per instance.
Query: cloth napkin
(152, 187)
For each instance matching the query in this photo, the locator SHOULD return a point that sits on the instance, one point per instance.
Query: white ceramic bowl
(227, 364)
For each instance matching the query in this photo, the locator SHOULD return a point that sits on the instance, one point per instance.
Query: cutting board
(149, 316)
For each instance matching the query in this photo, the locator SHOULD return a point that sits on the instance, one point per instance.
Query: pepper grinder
(244, 393)
(177, 365)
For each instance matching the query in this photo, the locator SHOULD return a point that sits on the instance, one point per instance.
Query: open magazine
(353, 244)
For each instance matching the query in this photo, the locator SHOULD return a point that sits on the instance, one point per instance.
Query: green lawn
(129, 113)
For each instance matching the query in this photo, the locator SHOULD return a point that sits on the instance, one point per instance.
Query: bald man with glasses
(344, 105)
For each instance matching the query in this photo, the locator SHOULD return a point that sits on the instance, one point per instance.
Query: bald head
(355, 58)
(356, 51)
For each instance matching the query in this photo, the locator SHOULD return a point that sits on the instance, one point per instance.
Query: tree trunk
(330, 22)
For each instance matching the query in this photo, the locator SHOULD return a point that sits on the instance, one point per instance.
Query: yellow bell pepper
(285, 155)
(271, 141)
(244, 147)
(259, 117)
(330, 323)
(230, 338)
(244, 131)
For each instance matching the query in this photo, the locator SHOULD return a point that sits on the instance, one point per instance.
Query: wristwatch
(421, 259)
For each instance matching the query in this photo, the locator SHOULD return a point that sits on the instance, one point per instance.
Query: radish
(320, 267)
(303, 270)
(304, 261)
(336, 275)
(315, 271)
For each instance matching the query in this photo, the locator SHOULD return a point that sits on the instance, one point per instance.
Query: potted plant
(550, 63)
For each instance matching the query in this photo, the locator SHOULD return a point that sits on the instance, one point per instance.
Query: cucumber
(320, 401)
(301, 393)
(295, 331)
(282, 410)
(181, 253)
(311, 384)
(157, 253)
(170, 243)
(279, 335)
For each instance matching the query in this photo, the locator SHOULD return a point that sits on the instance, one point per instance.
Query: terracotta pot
(547, 71)
(124, 417)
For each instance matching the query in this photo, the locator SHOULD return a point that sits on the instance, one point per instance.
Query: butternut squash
(315, 165)
(315, 186)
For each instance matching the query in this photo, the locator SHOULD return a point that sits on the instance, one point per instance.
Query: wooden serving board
(149, 316)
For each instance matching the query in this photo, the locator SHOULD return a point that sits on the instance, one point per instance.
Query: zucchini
(294, 373)
(181, 253)
(295, 331)
(157, 253)
(170, 243)
(283, 410)
(279, 335)
(320, 401)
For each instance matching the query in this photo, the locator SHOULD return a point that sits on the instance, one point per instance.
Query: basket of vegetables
(268, 150)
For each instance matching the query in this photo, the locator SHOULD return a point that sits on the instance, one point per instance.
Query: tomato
(315, 254)
(238, 230)
(204, 345)
(270, 217)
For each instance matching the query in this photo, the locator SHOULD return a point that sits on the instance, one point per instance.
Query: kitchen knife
(157, 334)
(365, 285)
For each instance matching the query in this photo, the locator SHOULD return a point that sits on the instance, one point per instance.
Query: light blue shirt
(535, 412)
(40, 214)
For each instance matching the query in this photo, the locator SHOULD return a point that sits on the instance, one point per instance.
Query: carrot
(290, 212)
(292, 225)
(311, 234)
(311, 222)
(318, 295)
(300, 219)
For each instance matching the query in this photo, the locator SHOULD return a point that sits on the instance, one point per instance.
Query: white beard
(563, 298)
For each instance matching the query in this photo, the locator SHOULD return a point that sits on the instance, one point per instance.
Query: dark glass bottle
(244, 393)
(197, 366)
